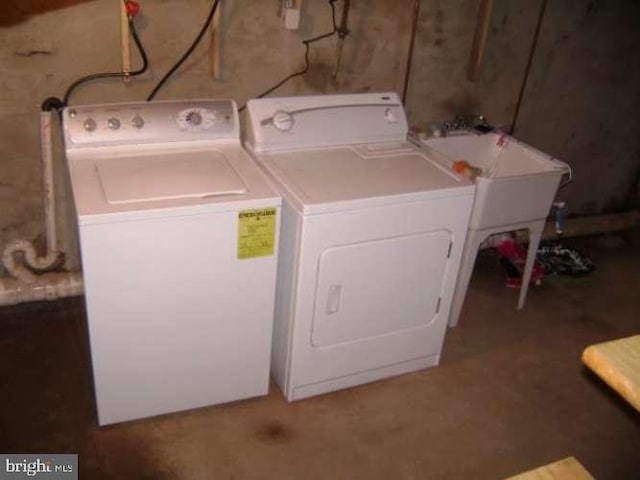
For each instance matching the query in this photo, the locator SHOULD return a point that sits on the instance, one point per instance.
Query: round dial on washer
(113, 123)
(196, 119)
(282, 120)
(89, 124)
(137, 122)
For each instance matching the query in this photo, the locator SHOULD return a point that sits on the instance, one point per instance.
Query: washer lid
(179, 175)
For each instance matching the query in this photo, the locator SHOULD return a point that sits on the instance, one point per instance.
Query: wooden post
(480, 39)
(215, 47)
(125, 40)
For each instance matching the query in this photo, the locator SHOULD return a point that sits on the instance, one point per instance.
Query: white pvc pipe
(48, 186)
(49, 286)
(27, 286)
(52, 255)
(25, 247)
(31, 259)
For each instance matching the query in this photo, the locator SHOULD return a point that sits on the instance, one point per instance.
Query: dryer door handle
(333, 299)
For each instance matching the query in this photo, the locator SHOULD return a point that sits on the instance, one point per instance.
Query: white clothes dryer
(371, 240)
(178, 236)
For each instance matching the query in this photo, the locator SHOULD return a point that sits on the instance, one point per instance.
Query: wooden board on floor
(565, 469)
(618, 363)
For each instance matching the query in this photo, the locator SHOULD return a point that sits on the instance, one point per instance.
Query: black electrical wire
(96, 76)
(186, 54)
(306, 55)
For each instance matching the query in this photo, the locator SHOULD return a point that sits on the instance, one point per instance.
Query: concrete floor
(510, 394)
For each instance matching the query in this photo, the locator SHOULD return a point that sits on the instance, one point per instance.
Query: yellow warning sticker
(256, 232)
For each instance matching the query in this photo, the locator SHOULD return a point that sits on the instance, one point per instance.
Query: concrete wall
(47, 51)
(580, 103)
(439, 87)
(581, 100)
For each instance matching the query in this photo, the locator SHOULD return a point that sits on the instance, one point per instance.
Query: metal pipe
(589, 225)
(343, 31)
(412, 41)
(532, 51)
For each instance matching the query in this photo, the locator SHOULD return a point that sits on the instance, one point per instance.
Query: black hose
(52, 103)
(186, 54)
(96, 76)
(306, 43)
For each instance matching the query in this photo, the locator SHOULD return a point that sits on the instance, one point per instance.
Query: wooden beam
(588, 225)
(125, 40)
(215, 46)
(480, 39)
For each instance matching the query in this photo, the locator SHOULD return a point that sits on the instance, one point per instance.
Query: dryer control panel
(325, 121)
(150, 122)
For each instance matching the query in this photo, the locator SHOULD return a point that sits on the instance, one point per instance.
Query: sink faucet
(464, 123)
(459, 125)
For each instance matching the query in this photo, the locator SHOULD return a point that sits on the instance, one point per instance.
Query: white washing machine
(371, 240)
(178, 237)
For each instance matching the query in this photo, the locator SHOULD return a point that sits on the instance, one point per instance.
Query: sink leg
(535, 232)
(469, 254)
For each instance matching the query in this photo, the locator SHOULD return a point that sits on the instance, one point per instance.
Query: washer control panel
(150, 122)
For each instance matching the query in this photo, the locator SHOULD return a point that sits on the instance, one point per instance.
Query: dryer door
(375, 288)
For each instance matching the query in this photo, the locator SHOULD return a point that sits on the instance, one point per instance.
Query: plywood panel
(17, 11)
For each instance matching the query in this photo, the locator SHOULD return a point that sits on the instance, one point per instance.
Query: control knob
(89, 124)
(282, 120)
(390, 116)
(137, 122)
(194, 118)
(113, 123)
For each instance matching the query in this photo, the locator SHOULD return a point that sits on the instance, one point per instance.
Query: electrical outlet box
(291, 18)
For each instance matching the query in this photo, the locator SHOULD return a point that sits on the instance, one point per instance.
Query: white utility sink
(518, 183)
(514, 190)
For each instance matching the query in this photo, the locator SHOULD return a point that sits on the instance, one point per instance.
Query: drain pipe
(20, 251)
(48, 286)
(20, 258)
(53, 255)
